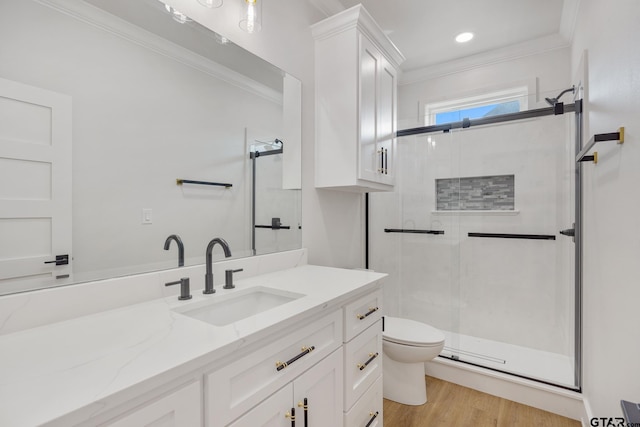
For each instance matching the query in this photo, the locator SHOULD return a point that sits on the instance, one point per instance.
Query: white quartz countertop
(69, 371)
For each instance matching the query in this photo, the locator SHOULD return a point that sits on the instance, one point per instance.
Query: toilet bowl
(406, 345)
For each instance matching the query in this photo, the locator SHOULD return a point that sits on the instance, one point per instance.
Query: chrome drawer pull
(370, 312)
(371, 357)
(373, 417)
(305, 350)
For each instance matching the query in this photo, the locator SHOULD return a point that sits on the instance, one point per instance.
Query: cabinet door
(369, 159)
(386, 121)
(270, 413)
(182, 408)
(322, 387)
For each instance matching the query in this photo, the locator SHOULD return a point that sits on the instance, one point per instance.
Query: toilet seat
(411, 333)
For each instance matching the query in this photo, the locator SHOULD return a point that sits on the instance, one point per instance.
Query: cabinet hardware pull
(292, 416)
(371, 357)
(370, 312)
(305, 350)
(386, 161)
(373, 417)
(304, 405)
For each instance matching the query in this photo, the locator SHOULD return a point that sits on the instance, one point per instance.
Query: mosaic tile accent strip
(481, 193)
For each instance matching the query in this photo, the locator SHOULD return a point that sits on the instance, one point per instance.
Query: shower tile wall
(499, 289)
(481, 193)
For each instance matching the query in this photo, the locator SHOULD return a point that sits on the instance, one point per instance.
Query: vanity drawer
(367, 412)
(362, 363)
(362, 313)
(237, 387)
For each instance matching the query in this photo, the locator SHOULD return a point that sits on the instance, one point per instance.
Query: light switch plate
(147, 216)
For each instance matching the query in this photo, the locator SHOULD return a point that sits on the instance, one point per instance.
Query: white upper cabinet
(356, 90)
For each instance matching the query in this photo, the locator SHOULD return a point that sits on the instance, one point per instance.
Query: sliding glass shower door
(479, 251)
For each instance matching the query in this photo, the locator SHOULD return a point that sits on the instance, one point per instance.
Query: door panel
(386, 120)
(369, 63)
(35, 177)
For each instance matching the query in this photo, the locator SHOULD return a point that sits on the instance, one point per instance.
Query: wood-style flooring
(451, 405)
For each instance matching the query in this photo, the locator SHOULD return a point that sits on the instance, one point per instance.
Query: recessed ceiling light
(464, 37)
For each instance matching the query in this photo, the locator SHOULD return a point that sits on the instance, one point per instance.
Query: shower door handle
(571, 232)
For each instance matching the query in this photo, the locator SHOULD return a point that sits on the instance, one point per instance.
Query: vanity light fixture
(464, 37)
(211, 4)
(251, 15)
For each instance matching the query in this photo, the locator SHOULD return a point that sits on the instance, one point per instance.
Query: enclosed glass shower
(275, 211)
(471, 241)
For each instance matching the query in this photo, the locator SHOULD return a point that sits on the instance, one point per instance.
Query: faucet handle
(228, 278)
(184, 288)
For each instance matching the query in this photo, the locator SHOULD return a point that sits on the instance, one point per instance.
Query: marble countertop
(72, 370)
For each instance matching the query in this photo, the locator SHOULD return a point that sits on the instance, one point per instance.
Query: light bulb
(251, 17)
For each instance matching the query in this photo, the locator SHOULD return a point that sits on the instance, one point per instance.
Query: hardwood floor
(451, 405)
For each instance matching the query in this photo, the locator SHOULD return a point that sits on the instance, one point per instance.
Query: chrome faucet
(208, 278)
(178, 240)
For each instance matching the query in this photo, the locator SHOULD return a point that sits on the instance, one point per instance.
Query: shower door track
(558, 109)
(501, 118)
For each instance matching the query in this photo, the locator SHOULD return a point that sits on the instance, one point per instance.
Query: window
(490, 104)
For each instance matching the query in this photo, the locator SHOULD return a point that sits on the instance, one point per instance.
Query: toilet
(406, 345)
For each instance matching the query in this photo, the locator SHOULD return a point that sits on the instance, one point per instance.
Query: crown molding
(105, 21)
(358, 17)
(508, 53)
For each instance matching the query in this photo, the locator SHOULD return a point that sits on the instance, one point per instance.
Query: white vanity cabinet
(321, 386)
(180, 408)
(363, 361)
(356, 85)
(297, 360)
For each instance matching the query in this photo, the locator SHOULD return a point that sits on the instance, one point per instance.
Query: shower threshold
(551, 368)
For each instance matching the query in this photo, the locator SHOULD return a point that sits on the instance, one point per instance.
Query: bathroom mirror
(142, 101)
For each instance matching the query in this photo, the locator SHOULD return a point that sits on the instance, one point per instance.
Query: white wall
(548, 71)
(608, 31)
(331, 221)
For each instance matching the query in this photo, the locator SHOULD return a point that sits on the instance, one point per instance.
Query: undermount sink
(225, 309)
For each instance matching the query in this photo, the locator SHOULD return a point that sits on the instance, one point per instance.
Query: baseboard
(587, 413)
(567, 403)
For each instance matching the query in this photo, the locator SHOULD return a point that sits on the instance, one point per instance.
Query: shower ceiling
(424, 30)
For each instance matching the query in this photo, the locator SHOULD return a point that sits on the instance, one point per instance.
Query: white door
(386, 124)
(35, 186)
(322, 388)
(370, 160)
(273, 412)
(182, 408)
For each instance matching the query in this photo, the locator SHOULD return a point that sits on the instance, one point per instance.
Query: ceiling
(424, 30)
